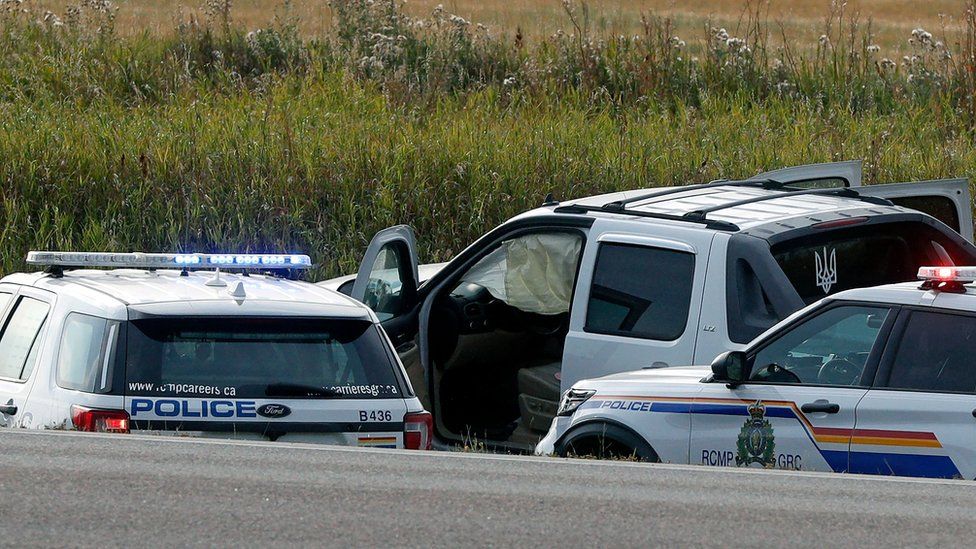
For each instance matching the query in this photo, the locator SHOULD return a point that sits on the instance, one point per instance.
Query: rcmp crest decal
(756, 443)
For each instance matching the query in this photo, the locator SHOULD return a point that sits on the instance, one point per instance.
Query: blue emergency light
(169, 261)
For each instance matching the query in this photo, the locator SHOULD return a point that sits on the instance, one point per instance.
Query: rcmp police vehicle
(877, 381)
(661, 277)
(172, 343)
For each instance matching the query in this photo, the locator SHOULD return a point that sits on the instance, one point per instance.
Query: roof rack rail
(709, 223)
(700, 216)
(845, 192)
(763, 183)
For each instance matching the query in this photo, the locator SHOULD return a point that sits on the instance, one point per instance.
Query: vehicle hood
(688, 375)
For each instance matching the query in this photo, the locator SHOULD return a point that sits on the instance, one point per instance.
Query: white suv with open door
(167, 343)
(646, 278)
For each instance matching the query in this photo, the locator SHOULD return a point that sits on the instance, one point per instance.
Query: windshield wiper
(298, 390)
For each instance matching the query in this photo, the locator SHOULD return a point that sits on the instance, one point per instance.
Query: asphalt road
(60, 488)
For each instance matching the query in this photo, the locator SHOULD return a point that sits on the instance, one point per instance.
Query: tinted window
(936, 354)
(831, 348)
(840, 259)
(640, 291)
(19, 337)
(83, 363)
(939, 207)
(259, 357)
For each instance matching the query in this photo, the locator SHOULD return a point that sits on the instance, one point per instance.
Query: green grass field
(208, 138)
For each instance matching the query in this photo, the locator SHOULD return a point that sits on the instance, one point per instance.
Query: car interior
(497, 336)
(830, 349)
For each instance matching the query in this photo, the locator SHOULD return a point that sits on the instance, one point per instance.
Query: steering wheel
(839, 371)
(774, 371)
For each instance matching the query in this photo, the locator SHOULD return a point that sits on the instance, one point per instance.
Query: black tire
(603, 440)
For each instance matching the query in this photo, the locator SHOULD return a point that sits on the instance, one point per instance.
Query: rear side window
(20, 337)
(259, 358)
(85, 356)
(640, 292)
(835, 260)
(939, 207)
(925, 362)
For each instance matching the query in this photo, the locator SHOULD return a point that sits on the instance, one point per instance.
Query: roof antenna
(550, 201)
(238, 291)
(216, 282)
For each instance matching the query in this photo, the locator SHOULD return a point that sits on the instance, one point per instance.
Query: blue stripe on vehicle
(673, 407)
(836, 459)
(720, 409)
(907, 465)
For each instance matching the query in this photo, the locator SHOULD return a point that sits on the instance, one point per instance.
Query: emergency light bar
(169, 261)
(947, 274)
(946, 279)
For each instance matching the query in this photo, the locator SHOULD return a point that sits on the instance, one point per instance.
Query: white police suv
(662, 276)
(169, 343)
(879, 381)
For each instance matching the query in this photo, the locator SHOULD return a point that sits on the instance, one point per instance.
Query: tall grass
(221, 138)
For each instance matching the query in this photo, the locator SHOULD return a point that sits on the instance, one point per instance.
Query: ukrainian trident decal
(756, 443)
(826, 269)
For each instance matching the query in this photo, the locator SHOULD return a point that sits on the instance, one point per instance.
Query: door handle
(8, 409)
(821, 406)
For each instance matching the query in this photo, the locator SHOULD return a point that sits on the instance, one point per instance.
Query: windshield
(259, 357)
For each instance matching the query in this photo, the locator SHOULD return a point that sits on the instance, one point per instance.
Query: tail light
(417, 430)
(99, 421)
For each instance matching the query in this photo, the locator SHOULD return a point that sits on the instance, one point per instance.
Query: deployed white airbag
(533, 273)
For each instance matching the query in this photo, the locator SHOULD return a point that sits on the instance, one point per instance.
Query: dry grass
(803, 20)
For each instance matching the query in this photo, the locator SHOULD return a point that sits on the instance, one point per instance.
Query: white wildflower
(921, 35)
(824, 40)
(735, 44)
(510, 81)
(873, 48)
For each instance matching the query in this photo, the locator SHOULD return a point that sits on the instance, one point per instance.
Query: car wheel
(605, 441)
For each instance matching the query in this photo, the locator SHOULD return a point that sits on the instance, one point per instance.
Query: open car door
(387, 283)
(947, 200)
(830, 174)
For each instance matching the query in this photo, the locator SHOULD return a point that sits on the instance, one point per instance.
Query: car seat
(539, 395)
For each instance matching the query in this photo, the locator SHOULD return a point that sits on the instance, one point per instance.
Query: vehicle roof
(909, 293)
(169, 293)
(780, 207)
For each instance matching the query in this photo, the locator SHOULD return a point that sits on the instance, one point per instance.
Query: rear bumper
(391, 439)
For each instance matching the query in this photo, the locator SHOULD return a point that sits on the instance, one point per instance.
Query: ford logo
(274, 410)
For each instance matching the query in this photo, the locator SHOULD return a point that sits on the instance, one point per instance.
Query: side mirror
(730, 367)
